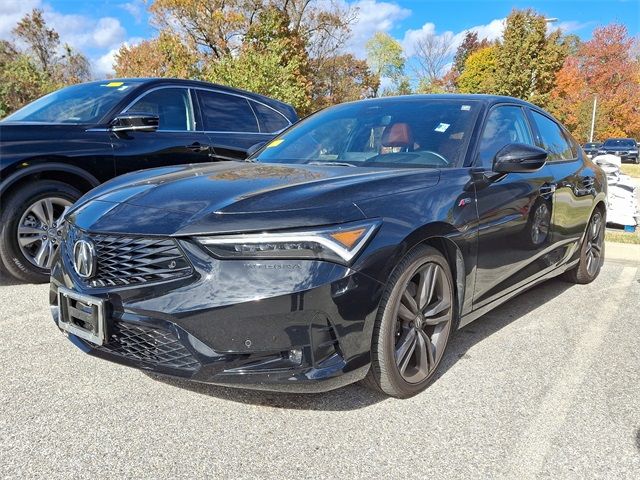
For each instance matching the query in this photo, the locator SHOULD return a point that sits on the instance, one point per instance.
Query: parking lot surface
(547, 385)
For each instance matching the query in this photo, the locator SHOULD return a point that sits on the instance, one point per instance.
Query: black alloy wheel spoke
(423, 321)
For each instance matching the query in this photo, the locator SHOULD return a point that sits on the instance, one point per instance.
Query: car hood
(238, 196)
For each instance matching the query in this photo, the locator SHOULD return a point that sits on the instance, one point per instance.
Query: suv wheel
(30, 228)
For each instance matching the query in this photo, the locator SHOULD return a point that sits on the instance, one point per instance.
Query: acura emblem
(84, 258)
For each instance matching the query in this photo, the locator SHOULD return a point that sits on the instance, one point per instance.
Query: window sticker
(442, 127)
(465, 108)
(275, 143)
(112, 84)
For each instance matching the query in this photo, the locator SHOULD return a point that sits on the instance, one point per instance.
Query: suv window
(171, 105)
(270, 120)
(226, 113)
(505, 124)
(552, 138)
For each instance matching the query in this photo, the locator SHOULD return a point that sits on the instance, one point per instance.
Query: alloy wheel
(40, 230)
(423, 321)
(593, 253)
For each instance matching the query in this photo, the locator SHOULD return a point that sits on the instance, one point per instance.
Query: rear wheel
(414, 324)
(591, 252)
(31, 229)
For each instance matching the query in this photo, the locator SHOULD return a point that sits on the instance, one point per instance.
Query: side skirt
(475, 314)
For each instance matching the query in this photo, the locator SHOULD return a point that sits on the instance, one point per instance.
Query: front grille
(155, 347)
(129, 260)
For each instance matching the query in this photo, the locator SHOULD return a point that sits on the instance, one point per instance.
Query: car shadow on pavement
(353, 397)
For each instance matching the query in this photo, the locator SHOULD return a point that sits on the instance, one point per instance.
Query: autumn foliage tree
(36, 64)
(528, 58)
(479, 73)
(603, 67)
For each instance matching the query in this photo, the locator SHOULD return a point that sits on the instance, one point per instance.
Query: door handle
(198, 147)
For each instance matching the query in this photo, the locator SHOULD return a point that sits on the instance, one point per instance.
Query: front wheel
(414, 324)
(591, 252)
(31, 228)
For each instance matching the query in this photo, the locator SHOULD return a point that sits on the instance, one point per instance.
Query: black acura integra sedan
(350, 247)
(60, 146)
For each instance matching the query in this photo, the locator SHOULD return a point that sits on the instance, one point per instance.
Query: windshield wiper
(337, 164)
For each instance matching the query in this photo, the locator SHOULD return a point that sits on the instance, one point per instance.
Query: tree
(43, 42)
(385, 58)
(604, 67)
(343, 78)
(469, 44)
(479, 72)
(528, 59)
(164, 56)
(41, 67)
(273, 61)
(431, 57)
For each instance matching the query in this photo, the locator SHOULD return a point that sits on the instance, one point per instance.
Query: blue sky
(99, 28)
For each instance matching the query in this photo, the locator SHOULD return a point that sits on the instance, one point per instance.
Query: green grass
(631, 169)
(618, 236)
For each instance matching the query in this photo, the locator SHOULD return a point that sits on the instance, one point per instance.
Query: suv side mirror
(518, 157)
(135, 122)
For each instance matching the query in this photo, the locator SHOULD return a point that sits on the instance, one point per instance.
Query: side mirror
(135, 122)
(518, 157)
(254, 148)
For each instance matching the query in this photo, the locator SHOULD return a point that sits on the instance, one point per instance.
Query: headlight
(602, 151)
(340, 243)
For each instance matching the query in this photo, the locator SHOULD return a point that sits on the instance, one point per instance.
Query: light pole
(593, 116)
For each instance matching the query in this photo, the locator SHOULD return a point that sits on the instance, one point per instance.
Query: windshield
(403, 132)
(620, 142)
(591, 145)
(86, 103)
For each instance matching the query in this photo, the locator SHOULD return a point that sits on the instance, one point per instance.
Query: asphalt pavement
(546, 386)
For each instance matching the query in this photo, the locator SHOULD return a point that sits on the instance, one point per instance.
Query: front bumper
(239, 323)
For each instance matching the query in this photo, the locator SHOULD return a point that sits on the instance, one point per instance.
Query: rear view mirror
(519, 157)
(135, 122)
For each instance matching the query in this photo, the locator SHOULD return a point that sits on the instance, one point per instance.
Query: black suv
(591, 149)
(625, 148)
(64, 144)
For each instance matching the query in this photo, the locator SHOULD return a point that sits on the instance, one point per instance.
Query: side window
(226, 113)
(171, 105)
(504, 125)
(552, 138)
(270, 120)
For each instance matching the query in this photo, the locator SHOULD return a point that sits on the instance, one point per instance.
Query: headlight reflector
(340, 243)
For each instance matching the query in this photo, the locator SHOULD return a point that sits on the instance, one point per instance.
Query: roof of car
(455, 96)
(149, 81)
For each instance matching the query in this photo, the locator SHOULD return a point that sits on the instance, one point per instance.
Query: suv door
(514, 211)
(574, 180)
(231, 123)
(176, 141)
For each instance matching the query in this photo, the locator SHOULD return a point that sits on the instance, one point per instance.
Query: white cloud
(373, 16)
(490, 31)
(11, 11)
(135, 9)
(569, 26)
(83, 32)
(102, 66)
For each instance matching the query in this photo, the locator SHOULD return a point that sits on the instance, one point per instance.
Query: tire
(392, 335)
(593, 245)
(18, 209)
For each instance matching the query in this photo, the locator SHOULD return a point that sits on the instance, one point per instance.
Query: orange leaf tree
(603, 67)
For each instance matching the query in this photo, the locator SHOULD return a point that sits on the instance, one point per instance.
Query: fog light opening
(295, 356)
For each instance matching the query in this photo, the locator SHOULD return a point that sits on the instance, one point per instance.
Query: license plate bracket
(82, 315)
